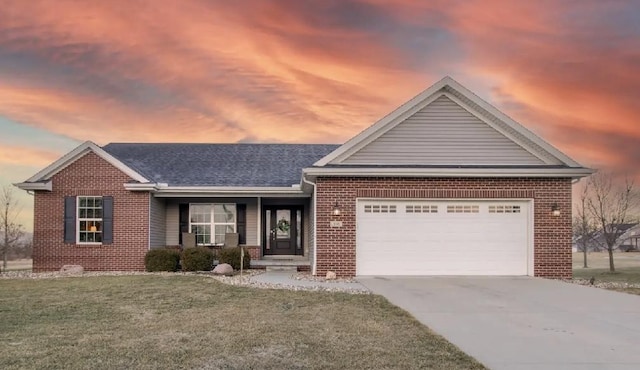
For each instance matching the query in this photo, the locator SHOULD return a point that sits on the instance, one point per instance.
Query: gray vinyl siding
(252, 221)
(157, 222)
(173, 223)
(311, 229)
(173, 217)
(306, 239)
(443, 133)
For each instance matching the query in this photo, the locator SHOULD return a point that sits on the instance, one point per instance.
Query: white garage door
(400, 237)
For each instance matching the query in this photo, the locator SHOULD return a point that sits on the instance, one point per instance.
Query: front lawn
(629, 275)
(626, 278)
(173, 321)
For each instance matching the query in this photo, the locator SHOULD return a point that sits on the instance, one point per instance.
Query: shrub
(162, 260)
(197, 259)
(232, 257)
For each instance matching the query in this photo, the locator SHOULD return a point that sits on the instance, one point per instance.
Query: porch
(275, 231)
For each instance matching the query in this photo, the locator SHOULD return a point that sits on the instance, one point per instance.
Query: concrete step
(287, 268)
(280, 262)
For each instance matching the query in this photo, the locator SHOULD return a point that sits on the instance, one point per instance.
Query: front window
(89, 220)
(210, 222)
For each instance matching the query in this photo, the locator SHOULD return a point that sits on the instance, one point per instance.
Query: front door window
(283, 228)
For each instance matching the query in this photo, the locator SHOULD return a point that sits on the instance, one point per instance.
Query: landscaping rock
(331, 275)
(223, 269)
(72, 269)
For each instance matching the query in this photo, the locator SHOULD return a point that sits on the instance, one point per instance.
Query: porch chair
(188, 240)
(231, 240)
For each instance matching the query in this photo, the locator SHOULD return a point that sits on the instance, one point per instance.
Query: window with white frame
(89, 220)
(210, 222)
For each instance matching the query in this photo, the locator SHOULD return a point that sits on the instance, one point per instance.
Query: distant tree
(609, 203)
(585, 227)
(10, 231)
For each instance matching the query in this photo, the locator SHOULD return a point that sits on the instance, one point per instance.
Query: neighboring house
(629, 240)
(444, 185)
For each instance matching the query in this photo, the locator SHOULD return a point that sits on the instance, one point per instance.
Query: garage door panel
(478, 242)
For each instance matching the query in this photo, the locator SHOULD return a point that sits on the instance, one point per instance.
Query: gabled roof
(42, 179)
(441, 131)
(220, 165)
(198, 168)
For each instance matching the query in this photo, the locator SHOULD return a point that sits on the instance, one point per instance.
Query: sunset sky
(307, 72)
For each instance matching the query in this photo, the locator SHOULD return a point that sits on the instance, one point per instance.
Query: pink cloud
(273, 71)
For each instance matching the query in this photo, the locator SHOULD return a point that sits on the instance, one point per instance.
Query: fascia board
(78, 153)
(449, 172)
(387, 127)
(46, 186)
(163, 190)
(366, 135)
(496, 127)
(513, 124)
(422, 99)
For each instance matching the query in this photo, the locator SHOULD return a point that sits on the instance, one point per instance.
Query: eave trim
(30, 186)
(447, 86)
(448, 172)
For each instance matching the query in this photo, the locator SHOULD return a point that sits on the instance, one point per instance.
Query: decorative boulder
(72, 269)
(331, 275)
(223, 269)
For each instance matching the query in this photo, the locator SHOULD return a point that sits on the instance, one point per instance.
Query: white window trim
(101, 220)
(213, 224)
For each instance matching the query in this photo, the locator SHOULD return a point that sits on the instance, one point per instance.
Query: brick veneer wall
(91, 176)
(552, 235)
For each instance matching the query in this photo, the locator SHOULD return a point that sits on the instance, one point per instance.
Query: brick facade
(91, 176)
(336, 247)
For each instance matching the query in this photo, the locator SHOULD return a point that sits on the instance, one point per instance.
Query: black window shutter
(70, 220)
(184, 220)
(241, 223)
(107, 220)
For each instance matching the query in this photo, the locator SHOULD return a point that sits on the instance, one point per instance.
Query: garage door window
(460, 208)
(426, 208)
(379, 208)
(504, 209)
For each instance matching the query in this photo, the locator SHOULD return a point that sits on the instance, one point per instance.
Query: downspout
(315, 225)
(149, 224)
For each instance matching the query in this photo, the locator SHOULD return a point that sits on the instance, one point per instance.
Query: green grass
(627, 269)
(629, 275)
(172, 322)
(621, 275)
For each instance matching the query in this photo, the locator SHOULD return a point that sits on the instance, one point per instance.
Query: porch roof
(220, 165)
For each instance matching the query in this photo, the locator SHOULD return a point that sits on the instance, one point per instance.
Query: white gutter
(447, 172)
(164, 190)
(315, 225)
(29, 186)
(149, 222)
(259, 236)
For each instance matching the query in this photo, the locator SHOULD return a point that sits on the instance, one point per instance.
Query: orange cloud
(314, 72)
(23, 156)
(241, 76)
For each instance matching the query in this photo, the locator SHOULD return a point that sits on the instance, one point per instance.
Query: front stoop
(282, 268)
(282, 263)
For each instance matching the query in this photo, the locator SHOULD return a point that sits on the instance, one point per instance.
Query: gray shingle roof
(261, 165)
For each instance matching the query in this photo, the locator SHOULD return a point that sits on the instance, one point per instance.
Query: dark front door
(282, 230)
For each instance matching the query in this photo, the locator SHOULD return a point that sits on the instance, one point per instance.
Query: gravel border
(235, 279)
(306, 276)
(604, 284)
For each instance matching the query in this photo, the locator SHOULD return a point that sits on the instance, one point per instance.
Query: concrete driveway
(523, 322)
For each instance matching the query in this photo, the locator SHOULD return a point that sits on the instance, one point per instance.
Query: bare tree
(609, 204)
(584, 226)
(10, 231)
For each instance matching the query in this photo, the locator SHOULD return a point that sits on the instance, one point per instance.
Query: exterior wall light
(336, 209)
(555, 211)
